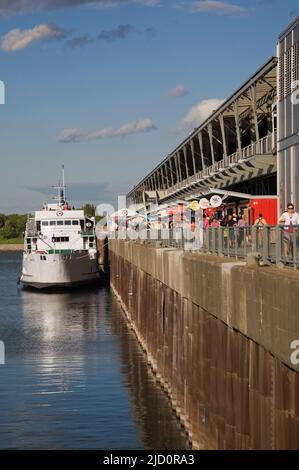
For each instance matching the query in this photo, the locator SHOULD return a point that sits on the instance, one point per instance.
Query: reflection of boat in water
(59, 247)
(86, 380)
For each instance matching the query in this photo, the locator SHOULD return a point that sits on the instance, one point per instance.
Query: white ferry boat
(59, 247)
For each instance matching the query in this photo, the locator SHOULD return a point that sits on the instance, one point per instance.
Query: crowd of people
(232, 221)
(237, 231)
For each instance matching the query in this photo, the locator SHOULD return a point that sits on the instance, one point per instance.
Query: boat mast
(63, 182)
(61, 193)
(63, 186)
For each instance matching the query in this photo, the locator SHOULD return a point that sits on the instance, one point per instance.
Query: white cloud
(79, 135)
(178, 91)
(214, 6)
(17, 39)
(199, 113)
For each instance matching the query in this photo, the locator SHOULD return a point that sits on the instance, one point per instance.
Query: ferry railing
(270, 244)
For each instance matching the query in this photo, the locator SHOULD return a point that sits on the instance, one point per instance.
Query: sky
(110, 87)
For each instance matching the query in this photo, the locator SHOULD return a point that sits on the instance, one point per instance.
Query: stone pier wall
(218, 335)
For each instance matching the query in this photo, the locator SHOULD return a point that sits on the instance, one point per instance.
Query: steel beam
(178, 166)
(193, 156)
(200, 140)
(186, 161)
(210, 132)
(254, 119)
(221, 121)
(162, 177)
(152, 183)
(157, 180)
(238, 133)
(171, 170)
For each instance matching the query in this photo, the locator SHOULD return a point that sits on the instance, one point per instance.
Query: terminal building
(288, 116)
(247, 148)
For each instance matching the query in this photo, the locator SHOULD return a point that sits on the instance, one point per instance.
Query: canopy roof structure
(236, 143)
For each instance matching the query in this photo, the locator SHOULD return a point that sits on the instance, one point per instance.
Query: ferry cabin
(54, 230)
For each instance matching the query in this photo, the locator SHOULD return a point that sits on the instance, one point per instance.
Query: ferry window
(68, 222)
(59, 222)
(60, 239)
(45, 222)
(52, 222)
(75, 222)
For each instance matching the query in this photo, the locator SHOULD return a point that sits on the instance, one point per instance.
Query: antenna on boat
(61, 196)
(63, 185)
(63, 179)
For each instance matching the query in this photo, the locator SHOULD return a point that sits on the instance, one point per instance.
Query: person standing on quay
(260, 223)
(241, 230)
(289, 218)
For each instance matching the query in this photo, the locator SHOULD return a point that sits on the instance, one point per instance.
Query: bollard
(253, 259)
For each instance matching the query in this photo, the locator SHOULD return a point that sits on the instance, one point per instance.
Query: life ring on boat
(59, 213)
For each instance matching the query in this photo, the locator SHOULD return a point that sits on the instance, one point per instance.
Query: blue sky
(109, 90)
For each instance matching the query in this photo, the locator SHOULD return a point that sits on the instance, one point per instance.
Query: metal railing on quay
(271, 244)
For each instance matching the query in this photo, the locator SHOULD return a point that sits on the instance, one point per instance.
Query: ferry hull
(51, 271)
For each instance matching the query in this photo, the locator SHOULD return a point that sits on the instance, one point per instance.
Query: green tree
(2, 220)
(14, 226)
(89, 210)
(9, 230)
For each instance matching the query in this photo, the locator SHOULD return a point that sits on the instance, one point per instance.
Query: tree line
(12, 226)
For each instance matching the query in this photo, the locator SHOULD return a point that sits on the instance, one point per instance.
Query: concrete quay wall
(218, 334)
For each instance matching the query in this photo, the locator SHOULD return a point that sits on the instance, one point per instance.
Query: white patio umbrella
(123, 213)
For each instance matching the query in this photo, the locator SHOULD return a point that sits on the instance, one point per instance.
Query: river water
(74, 375)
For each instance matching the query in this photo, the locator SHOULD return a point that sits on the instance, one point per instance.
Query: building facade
(288, 116)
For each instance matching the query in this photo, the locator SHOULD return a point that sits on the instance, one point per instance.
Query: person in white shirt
(289, 218)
